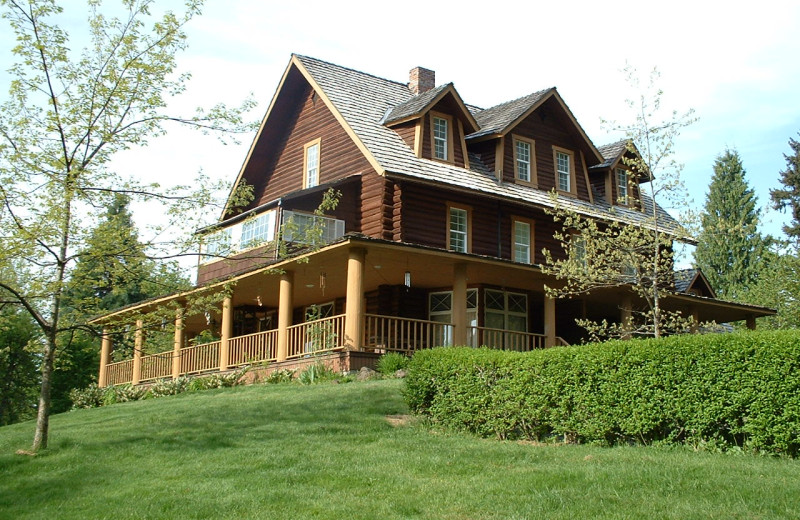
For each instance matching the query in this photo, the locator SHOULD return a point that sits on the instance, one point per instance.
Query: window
(622, 186)
(303, 228)
(258, 230)
(217, 244)
(311, 164)
(522, 241)
(458, 227)
(440, 138)
(524, 160)
(578, 249)
(506, 310)
(440, 310)
(563, 170)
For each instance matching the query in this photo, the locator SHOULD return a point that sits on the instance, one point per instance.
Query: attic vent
(421, 80)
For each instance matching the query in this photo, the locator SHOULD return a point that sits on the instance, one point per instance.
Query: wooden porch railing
(505, 339)
(200, 358)
(120, 372)
(321, 335)
(157, 366)
(253, 348)
(393, 334)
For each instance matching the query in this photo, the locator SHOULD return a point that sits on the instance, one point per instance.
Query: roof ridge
(350, 69)
(538, 92)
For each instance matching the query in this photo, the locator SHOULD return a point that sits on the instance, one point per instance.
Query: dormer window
(440, 138)
(311, 164)
(622, 186)
(565, 170)
(524, 160)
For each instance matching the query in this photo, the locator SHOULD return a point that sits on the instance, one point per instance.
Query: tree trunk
(43, 412)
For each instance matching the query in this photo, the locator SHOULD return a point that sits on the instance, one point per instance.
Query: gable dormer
(535, 141)
(615, 179)
(434, 122)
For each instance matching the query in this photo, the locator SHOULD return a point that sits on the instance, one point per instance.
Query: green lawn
(327, 451)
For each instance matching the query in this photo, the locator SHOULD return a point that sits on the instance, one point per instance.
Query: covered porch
(360, 297)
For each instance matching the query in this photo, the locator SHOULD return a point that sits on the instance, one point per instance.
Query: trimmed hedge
(714, 391)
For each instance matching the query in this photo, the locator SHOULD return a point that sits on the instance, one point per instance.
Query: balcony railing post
(105, 357)
(226, 332)
(549, 321)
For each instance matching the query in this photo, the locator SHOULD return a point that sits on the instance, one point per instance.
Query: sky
(736, 64)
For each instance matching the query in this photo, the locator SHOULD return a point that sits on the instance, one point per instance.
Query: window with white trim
(564, 171)
(440, 138)
(524, 160)
(311, 164)
(217, 244)
(522, 241)
(458, 239)
(506, 310)
(258, 230)
(440, 310)
(622, 186)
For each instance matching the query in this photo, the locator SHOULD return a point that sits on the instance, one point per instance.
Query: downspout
(499, 231)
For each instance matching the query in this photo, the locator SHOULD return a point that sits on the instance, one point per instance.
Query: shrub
(316, 373)
(391, 362)
(723, 390)
(89, 397)
(166, 387)
(280, 376)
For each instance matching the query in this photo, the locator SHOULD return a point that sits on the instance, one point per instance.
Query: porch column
(105, 358)
(460, 304)
(226, 332)
(284, 314)
(549, 322)
(693, 312)
(626, 316)
(751, 322)
(138, 345)
(354, 303)
(178, 345)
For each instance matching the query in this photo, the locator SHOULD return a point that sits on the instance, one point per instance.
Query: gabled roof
(687, 279)
(361, 102)
(421, 103)
(497, 119)
(613, 153)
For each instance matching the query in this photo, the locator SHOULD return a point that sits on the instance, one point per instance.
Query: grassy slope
(327, 452)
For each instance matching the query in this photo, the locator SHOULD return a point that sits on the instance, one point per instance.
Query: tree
(730, 249)
(615, 253)
(789, 195)
(111, 272)
(778, 287)
(18, 366)
(66, 116)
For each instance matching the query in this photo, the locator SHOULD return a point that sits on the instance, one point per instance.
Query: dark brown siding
(547, 127)
(276, 166)
(237, 264)
(407, 131)
(376, 206)
(486, 151)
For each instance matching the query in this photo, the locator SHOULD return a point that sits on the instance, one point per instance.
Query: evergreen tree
(789, 195)
(113, 271)
(730, 248)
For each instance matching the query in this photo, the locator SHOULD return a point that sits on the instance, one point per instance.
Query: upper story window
(524, 160)
(258, 230)
(458, 229)
(440, 138)
(622, 186)
(565, 170)
(523, 241)
(311, 164)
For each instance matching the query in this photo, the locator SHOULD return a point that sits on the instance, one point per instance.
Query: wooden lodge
(437, 237)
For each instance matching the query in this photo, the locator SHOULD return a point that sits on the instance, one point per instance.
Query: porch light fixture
(208, 318)
(258, 301)
(407, 279)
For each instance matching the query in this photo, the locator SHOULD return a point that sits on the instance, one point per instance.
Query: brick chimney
(421, 80)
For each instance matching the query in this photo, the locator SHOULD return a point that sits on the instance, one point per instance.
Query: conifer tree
(730, 247)
(789, 195)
